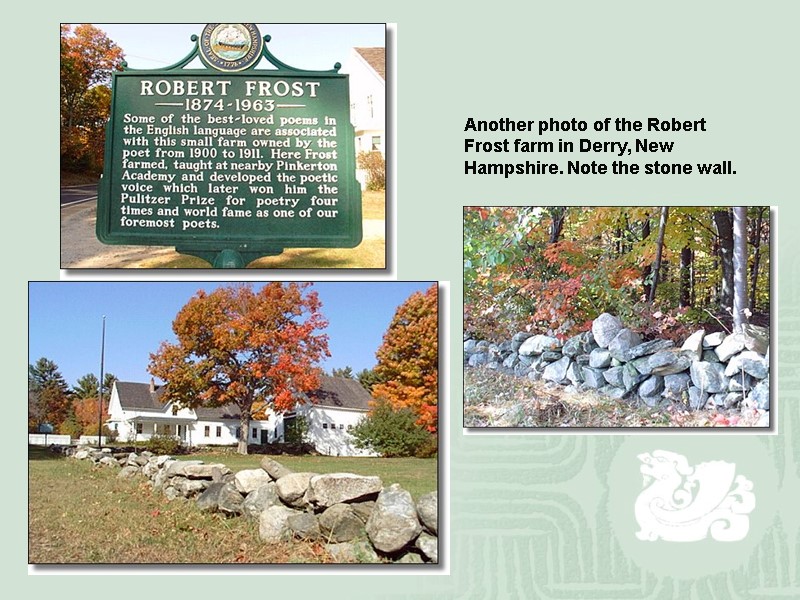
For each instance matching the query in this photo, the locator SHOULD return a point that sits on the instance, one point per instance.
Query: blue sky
(66, 322)
(313, 47)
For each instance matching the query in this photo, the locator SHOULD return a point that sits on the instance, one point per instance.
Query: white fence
(45, 439)
(91, 440)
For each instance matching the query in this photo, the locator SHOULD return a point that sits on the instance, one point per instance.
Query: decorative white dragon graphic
(681, 503)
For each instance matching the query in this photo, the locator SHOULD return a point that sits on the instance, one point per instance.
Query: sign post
(230, 163)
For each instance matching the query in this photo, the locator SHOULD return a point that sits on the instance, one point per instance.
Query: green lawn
(78, 513)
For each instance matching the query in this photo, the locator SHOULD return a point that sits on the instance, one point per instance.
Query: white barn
(137, 413)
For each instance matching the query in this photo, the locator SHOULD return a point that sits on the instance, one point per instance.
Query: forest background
(665, 271)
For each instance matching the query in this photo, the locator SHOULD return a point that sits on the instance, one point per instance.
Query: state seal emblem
(231, 46)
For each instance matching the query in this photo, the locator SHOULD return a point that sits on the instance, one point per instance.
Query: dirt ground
(80, 248)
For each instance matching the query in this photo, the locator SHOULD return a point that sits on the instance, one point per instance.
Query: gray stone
(511, 361)
(469, 346)
(248, 480)
(669, 362)
(178, 467)
(599, 358)
(393, 523)
(605, 328)
(613, 392)
(212, 471)
(359, 551)
(410, 558)
(647, 348)
(518, 340)
(275, 469)
(521, 369)
(292, 488)
(551, 355)
(697, 398)
(304, 526)
(557, 371)
(622, 342)
(712, 340)
(593, 378)
(428, 511)
(582, 360)
(129, 471)
(273, 524)
(732, 399)
(759, 395)
(219, 496)
(676, 385)
(651, 401)
(749, 362)
(694, 344)
(478, 359)
(429, 546)
(575, 373)
(710, 356)
(741, 384)
(718, 399)
(642, 364)
(614, 377)
(652, 386)
(188, 488)
(572, 347)
(108, 461)
(537, 344)
(709, 377)
(631, 377)
(756, 338)
(340, 523)
(362, 509)
(259, 499)
(732, 344)
(335, 488)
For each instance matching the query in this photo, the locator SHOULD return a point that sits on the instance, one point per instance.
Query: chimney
(152, 385)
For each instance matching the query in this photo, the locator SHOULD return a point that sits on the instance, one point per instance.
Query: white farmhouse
(137, 413)
(367, 70)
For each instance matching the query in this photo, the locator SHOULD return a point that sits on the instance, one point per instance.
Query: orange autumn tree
(87, 417)
(255, 350)
(408, 358)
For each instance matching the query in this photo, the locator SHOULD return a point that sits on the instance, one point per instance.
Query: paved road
(75, 194)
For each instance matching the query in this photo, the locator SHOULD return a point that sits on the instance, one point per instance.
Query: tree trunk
(686, 277)
(722, 221)
(662, 228)
(756, 257)
(648, 268)
(739, 267)
(557, 213)
(244, 429)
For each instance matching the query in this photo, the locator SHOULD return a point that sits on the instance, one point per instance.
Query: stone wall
(715, 369)
(357, 517)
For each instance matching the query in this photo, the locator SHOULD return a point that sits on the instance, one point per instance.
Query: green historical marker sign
(230, 163)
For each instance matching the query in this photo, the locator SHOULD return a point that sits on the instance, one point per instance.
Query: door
(265, 436)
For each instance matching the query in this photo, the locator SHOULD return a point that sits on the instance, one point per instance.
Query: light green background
(525, 515)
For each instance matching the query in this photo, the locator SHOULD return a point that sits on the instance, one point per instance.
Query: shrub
(163, 444)
(375, 166)
(391, 432)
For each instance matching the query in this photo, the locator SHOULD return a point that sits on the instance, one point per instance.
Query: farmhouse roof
(340, 392)
(142, 396)
(229, 411)
(375, 58)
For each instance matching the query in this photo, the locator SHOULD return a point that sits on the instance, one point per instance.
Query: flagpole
(100, 395)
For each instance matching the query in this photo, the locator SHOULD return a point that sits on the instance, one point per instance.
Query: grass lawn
(78, 513)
